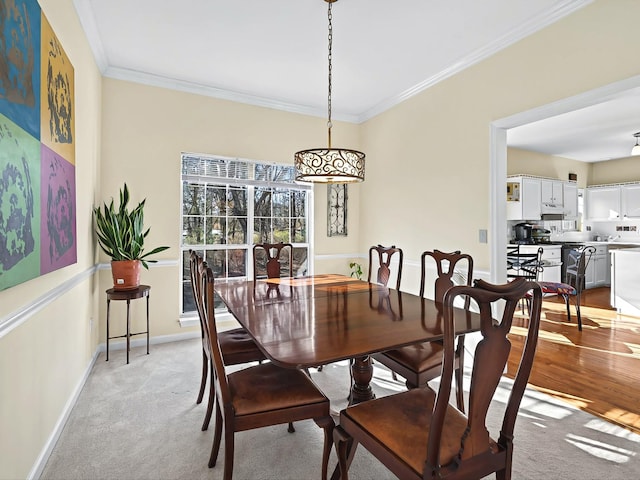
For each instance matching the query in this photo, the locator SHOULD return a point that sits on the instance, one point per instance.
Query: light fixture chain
(330, 37)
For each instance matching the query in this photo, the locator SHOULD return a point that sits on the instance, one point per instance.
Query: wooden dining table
(303, 322)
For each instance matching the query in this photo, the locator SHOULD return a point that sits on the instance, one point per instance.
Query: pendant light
(329, 165)
(636, 148)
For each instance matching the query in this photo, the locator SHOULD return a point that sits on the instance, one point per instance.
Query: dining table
(302, 322)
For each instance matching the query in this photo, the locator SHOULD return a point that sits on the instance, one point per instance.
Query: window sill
(224, 321)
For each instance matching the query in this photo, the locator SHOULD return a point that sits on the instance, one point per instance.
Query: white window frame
(246, 169)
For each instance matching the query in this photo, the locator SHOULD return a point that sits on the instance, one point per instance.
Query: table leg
(128, 330)
(108, 305)
(362, 371)
(147, 324)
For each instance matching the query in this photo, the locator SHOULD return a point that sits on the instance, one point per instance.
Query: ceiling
(274, 54)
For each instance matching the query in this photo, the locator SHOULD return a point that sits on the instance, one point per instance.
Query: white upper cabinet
(523, 198)
(552, 192)
(570, 200)
(630, 200)
(528, 198)
(603, 202)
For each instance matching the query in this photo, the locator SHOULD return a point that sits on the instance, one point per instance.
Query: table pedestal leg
(362, 371)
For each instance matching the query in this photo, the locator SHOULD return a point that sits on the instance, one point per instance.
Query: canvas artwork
(37, 149)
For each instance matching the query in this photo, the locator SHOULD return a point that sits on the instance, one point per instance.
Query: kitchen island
(625, 281)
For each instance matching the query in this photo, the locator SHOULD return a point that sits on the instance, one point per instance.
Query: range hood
(552, 208)
(551, 216)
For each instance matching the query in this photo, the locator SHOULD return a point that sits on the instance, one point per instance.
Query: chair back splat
(419, 434)
(272, 259)
(383, 262)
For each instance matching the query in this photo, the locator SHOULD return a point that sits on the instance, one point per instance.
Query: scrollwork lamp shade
(329, 165)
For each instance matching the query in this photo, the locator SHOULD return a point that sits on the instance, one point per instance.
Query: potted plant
(121, 236)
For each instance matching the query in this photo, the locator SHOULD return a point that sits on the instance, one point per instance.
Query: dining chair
(418, 434)
(271, 260)
(380, 258)
(236, 344)
(577, 262)
(258, 396)
(526, 265)
(422, 362)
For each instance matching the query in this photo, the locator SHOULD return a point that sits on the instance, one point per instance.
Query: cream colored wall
(44, 357)
(551, 166)
(428, 158)
(616, 171)
(596, 173)
(427, 183)
(145, 129)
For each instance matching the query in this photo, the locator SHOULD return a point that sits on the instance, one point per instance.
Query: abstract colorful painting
(37, 147)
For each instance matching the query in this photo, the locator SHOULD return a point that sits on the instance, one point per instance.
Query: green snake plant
(121, 231)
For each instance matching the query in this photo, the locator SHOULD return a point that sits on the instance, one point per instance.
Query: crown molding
(527, 28)
(518, 33)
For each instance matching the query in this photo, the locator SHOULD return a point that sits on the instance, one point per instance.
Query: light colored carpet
(140, 421)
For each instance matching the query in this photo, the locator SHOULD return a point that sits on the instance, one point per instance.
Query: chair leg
(578, 312)
(327, 425)
(291, 428)
(459, 373)
(203, 381)
(566, 301)
(210, 404)
(228, 453)
(345, 449)
(217, 436)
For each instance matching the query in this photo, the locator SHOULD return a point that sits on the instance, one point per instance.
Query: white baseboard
(42, 459)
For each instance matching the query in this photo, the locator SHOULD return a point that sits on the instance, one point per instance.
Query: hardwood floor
(598, 369)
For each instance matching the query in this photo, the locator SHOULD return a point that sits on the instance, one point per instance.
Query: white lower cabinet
(598, 269)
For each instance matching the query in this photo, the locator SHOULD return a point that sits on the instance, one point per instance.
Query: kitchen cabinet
(551, 192)
(630, 200)
(570, 200)
(603, 202)
(523, 198)
(598, 269)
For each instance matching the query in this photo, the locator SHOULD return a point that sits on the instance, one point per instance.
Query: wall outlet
(482, 236)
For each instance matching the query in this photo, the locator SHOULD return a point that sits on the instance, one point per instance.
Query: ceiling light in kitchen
(636, 148)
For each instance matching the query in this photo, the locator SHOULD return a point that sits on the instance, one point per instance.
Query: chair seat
(418, 357)
(259, 389)
(238, 347)
(557, 287)
(407, 430)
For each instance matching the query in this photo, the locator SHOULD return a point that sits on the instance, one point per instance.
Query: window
(230, 204)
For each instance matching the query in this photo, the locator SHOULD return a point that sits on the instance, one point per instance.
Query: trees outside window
(229, 204)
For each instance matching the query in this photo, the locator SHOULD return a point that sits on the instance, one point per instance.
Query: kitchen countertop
(627, 250)
(615, 244)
